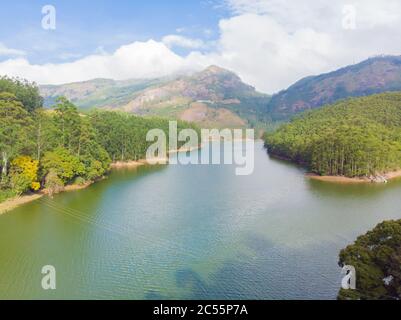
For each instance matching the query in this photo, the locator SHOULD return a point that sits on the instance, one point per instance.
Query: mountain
(375, 75)
(97, 93)
(214, 97)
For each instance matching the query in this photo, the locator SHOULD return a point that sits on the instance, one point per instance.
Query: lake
(191, 232)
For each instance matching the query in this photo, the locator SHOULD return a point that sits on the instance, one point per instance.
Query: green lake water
(191, 232)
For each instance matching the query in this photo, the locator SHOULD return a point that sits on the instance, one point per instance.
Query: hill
(375, 75)
(214, 97)
(96, 93)
(353, 138)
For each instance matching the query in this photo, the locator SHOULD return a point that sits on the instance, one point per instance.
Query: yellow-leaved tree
(24, 174)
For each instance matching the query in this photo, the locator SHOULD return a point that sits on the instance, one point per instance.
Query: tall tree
(25, 91)
(15, 130)
(68, 122)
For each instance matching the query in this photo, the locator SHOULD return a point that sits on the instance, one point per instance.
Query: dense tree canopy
(27, 93)
(52, 148)
(15, 128)
(376, 257)
(123, 135)
(355, 137)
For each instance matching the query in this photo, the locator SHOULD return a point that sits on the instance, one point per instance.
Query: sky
(270, 44)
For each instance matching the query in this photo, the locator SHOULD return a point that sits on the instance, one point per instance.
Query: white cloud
(273, 43)
(137, 60)
(173, 40)
(269, 43)
(5, 51)
(269, 57)
(321, 14)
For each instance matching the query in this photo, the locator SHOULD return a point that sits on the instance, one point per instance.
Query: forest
(376, 257)
(353, 138)
(50, 148)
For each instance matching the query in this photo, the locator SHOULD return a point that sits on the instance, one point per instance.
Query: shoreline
(184, 150)
(378, 179)
(381, 178)
(153, 161)
(126, 164)
(13, 203)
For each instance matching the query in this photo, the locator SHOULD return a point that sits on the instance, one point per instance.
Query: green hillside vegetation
(376, 75)
(52, 148)
(376, 257)
(24, 91)
(353, 138)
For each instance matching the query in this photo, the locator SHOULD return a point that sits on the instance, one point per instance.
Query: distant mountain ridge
(375, 75)
(97, 92)
(214, 97)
